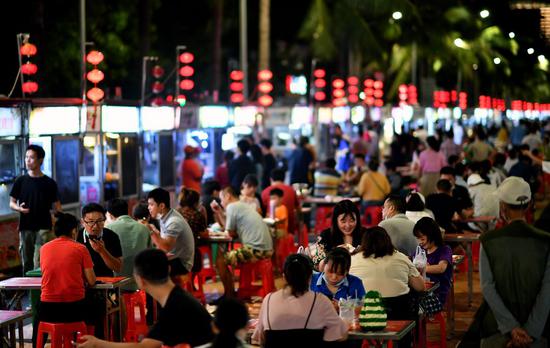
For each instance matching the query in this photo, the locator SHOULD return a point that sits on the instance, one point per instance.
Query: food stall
(55, 126)
(159, 170)
(12, 147)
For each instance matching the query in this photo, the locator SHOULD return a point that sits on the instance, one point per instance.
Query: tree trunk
(217, 51)
(264, 43)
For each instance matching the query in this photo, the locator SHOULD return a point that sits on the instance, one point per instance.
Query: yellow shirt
(373, 186)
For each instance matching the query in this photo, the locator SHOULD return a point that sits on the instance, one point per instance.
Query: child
(278, 211)
(335, 282)
(248, 192)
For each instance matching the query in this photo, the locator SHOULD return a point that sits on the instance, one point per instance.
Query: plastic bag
(316, 252)
(420, 261)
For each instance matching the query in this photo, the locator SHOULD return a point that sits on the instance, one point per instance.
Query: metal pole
(179, 48)
(244, 47)
(311, 82)
(21, 38)
(83, 50)
(144, 75)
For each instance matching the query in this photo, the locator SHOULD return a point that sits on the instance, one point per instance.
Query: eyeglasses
(93, 223)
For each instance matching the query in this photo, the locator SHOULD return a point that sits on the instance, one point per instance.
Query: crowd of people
(424, 187)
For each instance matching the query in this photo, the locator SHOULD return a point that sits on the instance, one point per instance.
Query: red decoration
(378, 84)
(236, 98)
(338, 93)
(265, 100)
(353, 89)
(265, 87)
(29, 68)
(158, 101)
(264, 75)
(236, 75)
(187, 71)
(28, 49)
(319, 73)
(187, 84)
(158, 87)
(169, 98)
(236, 86)
(338, 83)
(353, 80)
(369, 83)
(186, 58)
(95, 94)
(158, 71)
(30, 87)
(95, 76)
(320, 83)
(94, 57)
(319, 96)
(353, 98)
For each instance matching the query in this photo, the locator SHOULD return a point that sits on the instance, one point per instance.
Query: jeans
(30, 242)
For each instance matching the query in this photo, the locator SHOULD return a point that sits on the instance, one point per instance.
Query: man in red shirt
(290, 200)
(191, 170)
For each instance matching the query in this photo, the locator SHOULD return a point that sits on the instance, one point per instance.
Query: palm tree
(264, 41)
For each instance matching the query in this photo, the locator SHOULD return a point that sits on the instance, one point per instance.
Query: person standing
(516, 303)
(299, 163)
(191, 169)
(241, 166)
(270, 162)
(134, 236)
(33, 195)
(431, 162)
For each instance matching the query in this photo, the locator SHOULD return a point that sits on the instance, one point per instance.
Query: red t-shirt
(63, 262)
(290, 201)
(191, 172)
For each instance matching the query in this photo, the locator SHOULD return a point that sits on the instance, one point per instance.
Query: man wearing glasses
(106, 252)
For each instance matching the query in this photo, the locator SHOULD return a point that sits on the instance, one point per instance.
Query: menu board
(66, 169)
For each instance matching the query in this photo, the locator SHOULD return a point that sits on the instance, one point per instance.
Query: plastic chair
(438, 318)
(61, 333)
(208, 268)
(135, 327)
(372, 216)
(249, 271)
(323, 218)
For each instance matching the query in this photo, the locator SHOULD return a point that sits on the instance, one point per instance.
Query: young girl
(335, 282)
(440, 256)
(248, 192)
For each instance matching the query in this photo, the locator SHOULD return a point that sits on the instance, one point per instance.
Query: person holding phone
(33, 196)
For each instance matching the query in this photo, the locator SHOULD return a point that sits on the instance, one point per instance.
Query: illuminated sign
(357, 114)
(157, 118)
(324, 115)
(120, 119)
(10, 122)
(245, 115)
(55, 120)
(213, 116)
(340, 114)
(301, 115)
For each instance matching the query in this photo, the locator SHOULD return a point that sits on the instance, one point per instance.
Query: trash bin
(34, 294)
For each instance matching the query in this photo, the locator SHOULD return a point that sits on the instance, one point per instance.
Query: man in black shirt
(241, 166)
(270, 162)
(33, 195)
(182, 319)
(443, 205)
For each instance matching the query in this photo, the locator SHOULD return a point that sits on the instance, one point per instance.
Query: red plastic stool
(196, 288)
(61, 333)
(136, 326)
(249, 271)
(372, 216)
(438, 319)
(475, 252)
(208, 268)
(323, 218)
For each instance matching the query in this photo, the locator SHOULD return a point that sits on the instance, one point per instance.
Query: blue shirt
(352, 287)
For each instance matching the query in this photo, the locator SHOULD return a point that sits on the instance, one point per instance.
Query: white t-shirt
(388, 275)
(546, 166)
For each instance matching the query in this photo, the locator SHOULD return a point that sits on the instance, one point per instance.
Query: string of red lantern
(95, 76)
(28, 50)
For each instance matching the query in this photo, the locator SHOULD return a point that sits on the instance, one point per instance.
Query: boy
(278, 212)
(248, 192)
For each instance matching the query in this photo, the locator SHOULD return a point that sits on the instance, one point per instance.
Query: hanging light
(157, 87)
(29, 68)
(28, 49)
(94, 57)
(95, 94)
(158, 71)
(30, 87)
(95, 76)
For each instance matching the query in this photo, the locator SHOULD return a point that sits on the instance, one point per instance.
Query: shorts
(246, 254)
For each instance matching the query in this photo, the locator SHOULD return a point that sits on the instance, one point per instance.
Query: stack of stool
(249, 273)
(135, 327)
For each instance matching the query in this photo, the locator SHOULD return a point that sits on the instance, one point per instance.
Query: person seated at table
(327, 179)
(248, 192)
(181, 318)
(240, 220)
(373, 186)
(443, 205)
(106, 252)
(67, 269)
(384, 269)
(230, 325)
(335, 282)
(296, 316)
(210, 192)
(398, 226)
(353, 175)
(415, 207)
(280, 213)
(175, 236)
(189, 201)
(440, 256)
(346, 227)
(134, 237)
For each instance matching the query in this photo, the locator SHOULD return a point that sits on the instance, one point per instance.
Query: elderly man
(514, 270)
(398, 226)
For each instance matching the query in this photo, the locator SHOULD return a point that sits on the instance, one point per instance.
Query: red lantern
(30, 87)
(95, 76)
(94, 57)
(320, 83)
(338, 83)
(378, 84)
(187, 71)
(236, 86)
(169, 98)
(29, 69)
(319, 73)
(158, 71)
(236, 75)
(319, 95)
(265, 100)
(264, 75)
(95, 94)
(186, 58)
(28, 49)
(158, 101)
(265, 87)
(353, 80)
(353, 98)
(369, 83)
(157, 87)
(338, 93)
(187, 84)
(236, 98)
(353, 90)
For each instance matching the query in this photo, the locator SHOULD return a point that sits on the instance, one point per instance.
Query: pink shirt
(287, 312)
(431, 161)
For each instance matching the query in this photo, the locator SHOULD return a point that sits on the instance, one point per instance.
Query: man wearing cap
(191, 170)
(514, 270)
(482, 195)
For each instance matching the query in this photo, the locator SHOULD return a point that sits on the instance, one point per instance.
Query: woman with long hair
(346, 227)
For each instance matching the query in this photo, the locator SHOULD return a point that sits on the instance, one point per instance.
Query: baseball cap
(514, 190)
(188, 149)
(474, 179)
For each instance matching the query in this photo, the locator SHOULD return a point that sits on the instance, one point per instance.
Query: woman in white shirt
(384, 269)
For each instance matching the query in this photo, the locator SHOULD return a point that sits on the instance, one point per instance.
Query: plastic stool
(438, 319)
(208, 268)
(61, 333)
(135, 327)
(372, 216)
(475, 252)
(198, 290)
(323, 218)
(249, 272)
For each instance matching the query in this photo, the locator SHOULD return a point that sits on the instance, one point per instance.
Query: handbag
(430, 304)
